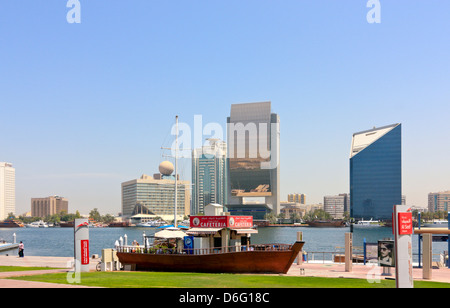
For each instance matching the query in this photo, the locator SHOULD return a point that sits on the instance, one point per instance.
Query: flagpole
(176, 174)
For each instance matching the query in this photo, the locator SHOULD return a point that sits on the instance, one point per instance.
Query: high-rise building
(156, 195)
(297, 198)
(253, 143)
(209, 176)
(376, 172)
(7, 190)
(439, 201)
(334, 205)
(42, 207)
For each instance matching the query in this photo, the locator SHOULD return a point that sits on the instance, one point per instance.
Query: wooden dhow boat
(267, 258)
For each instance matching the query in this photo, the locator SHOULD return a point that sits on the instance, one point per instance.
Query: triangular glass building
(376, 172)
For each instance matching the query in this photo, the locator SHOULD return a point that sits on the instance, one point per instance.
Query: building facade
(334, 205)
(297, 198)
(43, 207)
(253, 143)
(156, 196)
(209, 180)
(439, 201)
(376, 172)
(7, 190)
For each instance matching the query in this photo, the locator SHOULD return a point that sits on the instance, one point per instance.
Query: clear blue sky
(87, 106)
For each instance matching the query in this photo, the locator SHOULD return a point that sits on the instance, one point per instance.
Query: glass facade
(376, 174)
(249, 138)
(253, 149)
(209, 176)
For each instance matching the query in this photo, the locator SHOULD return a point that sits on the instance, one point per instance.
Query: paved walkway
(372, 272)
(63, 264)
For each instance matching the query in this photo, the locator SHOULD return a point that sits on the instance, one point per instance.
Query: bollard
(348, 252)
(300, 254)
(427, 256)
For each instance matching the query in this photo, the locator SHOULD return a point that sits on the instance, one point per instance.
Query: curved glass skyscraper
(376, 172)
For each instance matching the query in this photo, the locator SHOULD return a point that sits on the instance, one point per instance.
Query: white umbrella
(170, 234)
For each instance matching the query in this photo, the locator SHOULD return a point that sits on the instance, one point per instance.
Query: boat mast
(176, 172)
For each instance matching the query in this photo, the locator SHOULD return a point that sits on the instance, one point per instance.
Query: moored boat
(215, 243)
(326, 223)
(37, 224)
(367, 224)
(268, 258)
(10, 223)
(435, 224)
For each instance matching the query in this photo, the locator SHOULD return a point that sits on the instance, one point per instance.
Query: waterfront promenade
(334, 270)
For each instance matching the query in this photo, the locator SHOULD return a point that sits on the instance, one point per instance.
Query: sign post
(81, 242)
(403, 229)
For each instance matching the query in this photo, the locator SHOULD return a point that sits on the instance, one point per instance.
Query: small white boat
(37, 224)
(151, 224)
(435, 224)
(367, 224)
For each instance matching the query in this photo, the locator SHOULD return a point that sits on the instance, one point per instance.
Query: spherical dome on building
(166, 168)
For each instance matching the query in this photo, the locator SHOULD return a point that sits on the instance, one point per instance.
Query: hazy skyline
(88, 106)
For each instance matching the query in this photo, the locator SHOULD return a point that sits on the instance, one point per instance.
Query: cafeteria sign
(221, 221)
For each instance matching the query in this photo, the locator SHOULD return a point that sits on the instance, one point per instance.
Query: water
(59, 242)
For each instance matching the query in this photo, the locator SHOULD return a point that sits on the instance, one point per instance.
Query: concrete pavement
(369, 271)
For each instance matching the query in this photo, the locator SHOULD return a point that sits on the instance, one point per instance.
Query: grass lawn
(198, 280)
(23, 268)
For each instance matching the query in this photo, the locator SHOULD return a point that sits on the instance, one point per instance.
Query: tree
(318, 214)
(95, 215)
(108, 218)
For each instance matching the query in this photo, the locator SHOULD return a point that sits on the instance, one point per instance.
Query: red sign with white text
(84, 252)
(405, 225)
(221, 221)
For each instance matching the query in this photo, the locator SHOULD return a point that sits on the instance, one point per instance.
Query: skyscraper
(376, 172)
(253, 142)
(209, 176)
(7, 190)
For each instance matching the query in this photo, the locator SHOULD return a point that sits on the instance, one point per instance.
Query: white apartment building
(7, 190)
(439, 201)
(334, 205)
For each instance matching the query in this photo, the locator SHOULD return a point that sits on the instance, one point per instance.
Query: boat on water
(37, 224)
(66, 224)
(215, 244)
(326, 223)
(367, 224)
(436, 224)
(151, 224)
(11, 223)
(268, 258)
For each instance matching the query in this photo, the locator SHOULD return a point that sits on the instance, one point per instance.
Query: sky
(86, 106)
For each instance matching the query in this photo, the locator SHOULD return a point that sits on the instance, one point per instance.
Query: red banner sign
(405, 225)
(84, 252)
(221, 221)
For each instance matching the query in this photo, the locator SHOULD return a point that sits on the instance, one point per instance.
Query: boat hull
(326, 224)
(230, 262)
